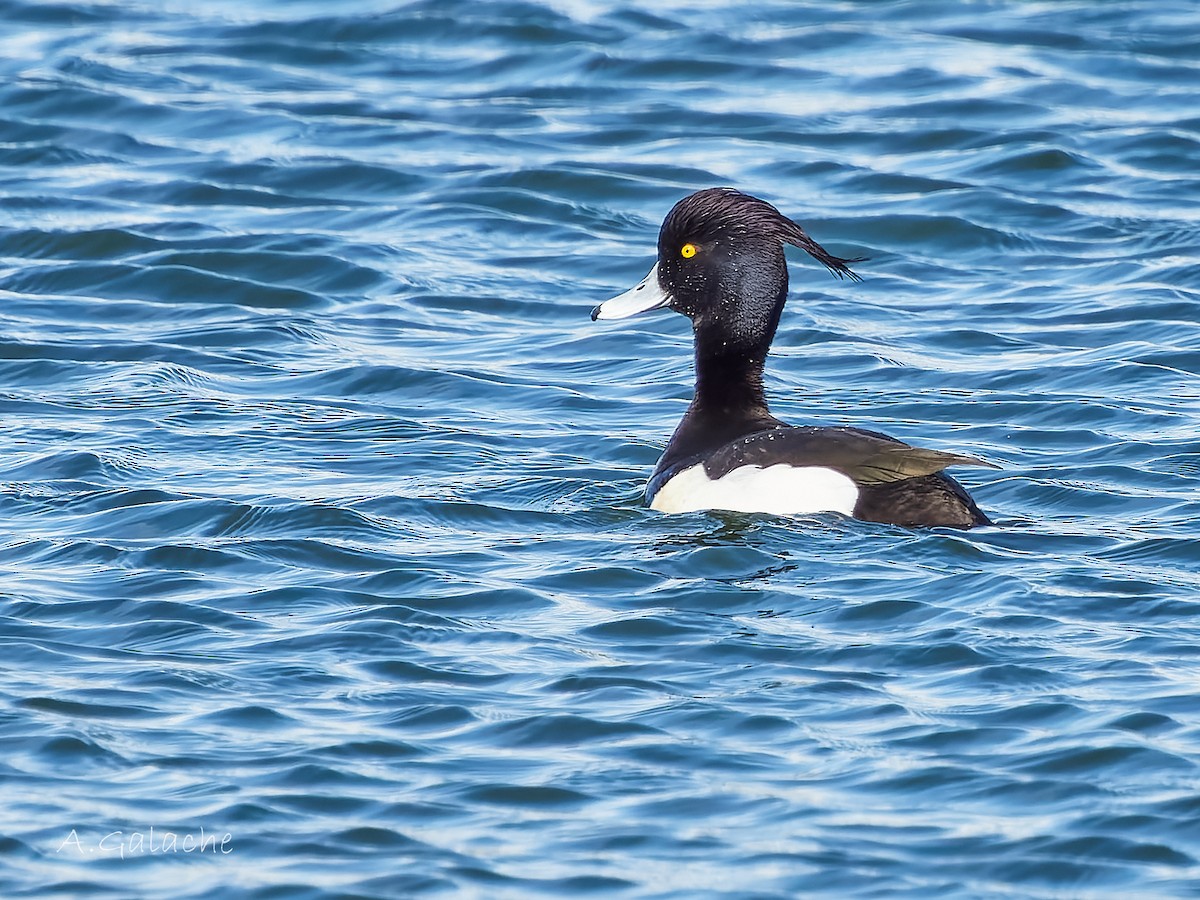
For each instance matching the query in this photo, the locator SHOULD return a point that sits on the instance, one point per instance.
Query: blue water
(320, 519)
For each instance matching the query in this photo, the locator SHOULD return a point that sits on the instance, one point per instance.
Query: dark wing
(865, 456)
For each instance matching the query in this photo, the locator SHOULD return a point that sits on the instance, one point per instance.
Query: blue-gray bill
(643, 297)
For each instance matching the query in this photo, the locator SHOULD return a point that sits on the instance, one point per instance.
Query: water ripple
(321, 494)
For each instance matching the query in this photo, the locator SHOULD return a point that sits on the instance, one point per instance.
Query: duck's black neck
(728, 402)
(729, 380)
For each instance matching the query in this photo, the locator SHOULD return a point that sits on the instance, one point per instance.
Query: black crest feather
(727, 209)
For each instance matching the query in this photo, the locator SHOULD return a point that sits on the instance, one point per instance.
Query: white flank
(780, 489)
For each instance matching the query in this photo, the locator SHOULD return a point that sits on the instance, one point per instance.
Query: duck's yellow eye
(688, 251)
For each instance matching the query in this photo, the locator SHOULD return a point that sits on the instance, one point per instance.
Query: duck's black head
(721, 264)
